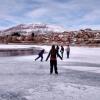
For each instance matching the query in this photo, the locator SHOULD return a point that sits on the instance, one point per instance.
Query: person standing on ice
(53, 59)
(62, 51)
(57, 48)
(68, 50)
(40, 55)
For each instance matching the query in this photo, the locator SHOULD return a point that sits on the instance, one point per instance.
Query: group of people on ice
(53, 54)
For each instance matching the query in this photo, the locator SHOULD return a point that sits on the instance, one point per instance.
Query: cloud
(67, 13)
(93, 16)
(36, 13)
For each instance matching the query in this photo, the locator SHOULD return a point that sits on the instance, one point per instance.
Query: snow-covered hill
(36, 28)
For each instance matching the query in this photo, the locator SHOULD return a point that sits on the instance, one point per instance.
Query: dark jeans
(53, 64)
(62, 54)
(39, 57)
(68, 54)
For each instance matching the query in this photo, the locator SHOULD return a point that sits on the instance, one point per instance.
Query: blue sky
(70, 14)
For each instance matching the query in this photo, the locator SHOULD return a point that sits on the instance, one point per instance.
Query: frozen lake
(22, 78)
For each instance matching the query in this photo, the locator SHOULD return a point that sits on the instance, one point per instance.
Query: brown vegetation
(82, 37)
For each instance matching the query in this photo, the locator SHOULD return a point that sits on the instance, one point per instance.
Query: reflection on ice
(19, 52)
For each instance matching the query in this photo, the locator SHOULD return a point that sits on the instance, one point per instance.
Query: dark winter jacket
(62, 49)
(53, 55)
(41, 52)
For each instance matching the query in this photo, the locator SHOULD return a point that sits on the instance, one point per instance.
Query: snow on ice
(22, 78)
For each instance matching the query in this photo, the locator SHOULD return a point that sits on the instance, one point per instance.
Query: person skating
(53, 59)
(62, 51)
(68, 51)
(40, 55)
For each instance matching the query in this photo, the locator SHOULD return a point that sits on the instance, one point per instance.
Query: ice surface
(4, 46)
(22, 78)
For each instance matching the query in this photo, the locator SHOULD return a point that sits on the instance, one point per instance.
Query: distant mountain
(36, 28)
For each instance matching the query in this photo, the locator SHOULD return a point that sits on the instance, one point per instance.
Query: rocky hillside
(48, 34)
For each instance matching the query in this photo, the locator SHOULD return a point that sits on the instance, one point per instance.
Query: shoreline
(49, 44)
